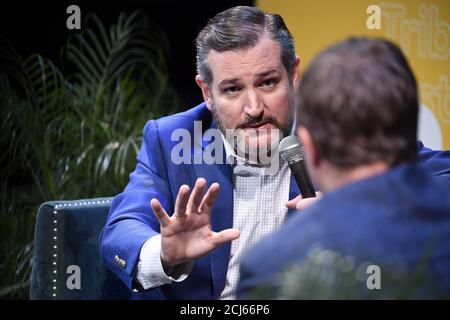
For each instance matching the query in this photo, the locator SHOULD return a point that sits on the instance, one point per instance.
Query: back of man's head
(358, 100)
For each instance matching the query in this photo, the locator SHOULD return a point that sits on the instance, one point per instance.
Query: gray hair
(239, 28)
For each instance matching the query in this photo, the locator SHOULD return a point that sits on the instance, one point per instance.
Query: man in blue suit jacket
(247, 71)
(358, 121)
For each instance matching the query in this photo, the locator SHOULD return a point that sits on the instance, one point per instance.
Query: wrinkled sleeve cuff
(150, 272)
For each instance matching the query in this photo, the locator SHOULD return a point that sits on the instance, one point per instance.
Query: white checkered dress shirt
(258, 209)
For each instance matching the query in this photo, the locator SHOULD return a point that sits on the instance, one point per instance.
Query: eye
(269, 82)
(231, 90)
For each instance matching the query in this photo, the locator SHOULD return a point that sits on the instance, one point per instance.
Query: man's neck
(337, 177)
(251, 159)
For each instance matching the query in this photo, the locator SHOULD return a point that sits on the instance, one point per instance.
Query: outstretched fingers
(159, 212)
(182, 201)
(196, 195)
(225, 236)
(209, 199)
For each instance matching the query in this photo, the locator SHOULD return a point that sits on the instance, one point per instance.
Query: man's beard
(243, 147)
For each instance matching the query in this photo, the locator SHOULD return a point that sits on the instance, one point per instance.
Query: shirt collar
(239, 164)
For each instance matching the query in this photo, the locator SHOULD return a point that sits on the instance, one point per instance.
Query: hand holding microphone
(300, 203)
(291, 150)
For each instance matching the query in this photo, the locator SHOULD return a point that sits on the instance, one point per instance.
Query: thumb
(307, 202)
(291, 204)
(225, 236)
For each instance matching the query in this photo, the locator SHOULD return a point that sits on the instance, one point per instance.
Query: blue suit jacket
(393, 219)
(131, 221)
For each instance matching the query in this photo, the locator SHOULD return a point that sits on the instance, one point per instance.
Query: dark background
(30, 162)
(40, 27)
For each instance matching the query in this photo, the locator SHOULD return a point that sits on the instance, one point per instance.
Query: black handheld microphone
(291, 150)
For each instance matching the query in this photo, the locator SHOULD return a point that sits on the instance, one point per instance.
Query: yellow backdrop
(420, 28)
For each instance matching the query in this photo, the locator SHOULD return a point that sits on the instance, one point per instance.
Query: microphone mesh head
(291, 149)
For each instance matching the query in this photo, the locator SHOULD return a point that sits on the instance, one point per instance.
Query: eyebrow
(267, 73)
(259, 75)
(228, 81)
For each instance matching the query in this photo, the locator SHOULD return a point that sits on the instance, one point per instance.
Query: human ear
(205, 91)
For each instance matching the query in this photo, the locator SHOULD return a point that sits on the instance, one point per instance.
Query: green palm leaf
(74, 135)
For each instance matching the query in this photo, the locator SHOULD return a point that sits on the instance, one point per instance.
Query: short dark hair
(359, 101)
(240, 28)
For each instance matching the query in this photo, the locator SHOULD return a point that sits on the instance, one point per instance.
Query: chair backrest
(67, 262)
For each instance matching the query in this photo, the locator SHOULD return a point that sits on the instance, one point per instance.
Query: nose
(254, 106)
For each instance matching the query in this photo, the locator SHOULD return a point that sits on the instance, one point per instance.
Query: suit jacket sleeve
(131, 222)
(437, 162)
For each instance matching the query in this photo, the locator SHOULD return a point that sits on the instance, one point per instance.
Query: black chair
(66, 262)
